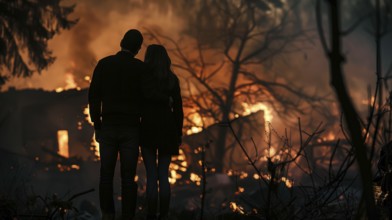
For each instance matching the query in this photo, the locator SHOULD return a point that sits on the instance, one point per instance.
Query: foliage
(25, 28)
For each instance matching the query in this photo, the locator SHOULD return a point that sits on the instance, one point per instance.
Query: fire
(94, 143)
(86, 112)
(179, 164)
(66, 168)
(236, 208)
(197, 124)
(329, 137)
(252, 108)
(289, 183)
(69, 83)
(195, 178)
(62, 138)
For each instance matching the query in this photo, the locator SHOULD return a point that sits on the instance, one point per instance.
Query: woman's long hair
(158, 59)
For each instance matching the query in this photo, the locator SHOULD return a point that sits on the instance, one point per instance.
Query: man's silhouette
(115, 95)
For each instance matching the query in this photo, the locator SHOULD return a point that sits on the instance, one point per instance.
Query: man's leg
(129, 154)
(108, 153)
(150, 163)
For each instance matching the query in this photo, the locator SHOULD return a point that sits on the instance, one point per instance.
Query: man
(116, 91)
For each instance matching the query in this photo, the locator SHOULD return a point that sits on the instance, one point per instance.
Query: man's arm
(95, 96)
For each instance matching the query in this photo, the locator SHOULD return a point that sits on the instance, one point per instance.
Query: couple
(134, 103)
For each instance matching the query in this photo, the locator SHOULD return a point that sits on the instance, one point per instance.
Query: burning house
(52, 129)
(42, 124)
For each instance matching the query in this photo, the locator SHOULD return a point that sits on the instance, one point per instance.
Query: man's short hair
(132, 40)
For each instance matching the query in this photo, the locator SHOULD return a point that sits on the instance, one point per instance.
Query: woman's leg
(164, 186)
(150, 163)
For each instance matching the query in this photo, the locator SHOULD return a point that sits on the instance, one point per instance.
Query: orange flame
(62, 138)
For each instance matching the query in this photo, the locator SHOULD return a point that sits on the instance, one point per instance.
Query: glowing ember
(195, 178)
(330, 136)
(197, 124)
(289, 183)
(58, 90)
(62, 138)
(179, 164)
(243, 175)
(236, 208)
(75, 167)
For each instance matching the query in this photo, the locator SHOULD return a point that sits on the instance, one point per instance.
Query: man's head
(132, 41)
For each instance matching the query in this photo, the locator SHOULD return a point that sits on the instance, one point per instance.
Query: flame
(197, 122)
(195, 178)
(94, 143)
(329, 137)
(252, 108)
(289, 183)
(69, 81)
(174, 168)
(62, 138)
(236, 208)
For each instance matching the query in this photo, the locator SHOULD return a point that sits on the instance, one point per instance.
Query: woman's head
(157, 57)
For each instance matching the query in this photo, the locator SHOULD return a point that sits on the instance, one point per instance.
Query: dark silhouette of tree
(25, 29)
(380, 16)
(232, 46)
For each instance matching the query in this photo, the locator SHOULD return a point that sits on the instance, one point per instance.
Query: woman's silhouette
(161, 130)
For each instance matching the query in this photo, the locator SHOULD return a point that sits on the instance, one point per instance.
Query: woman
(161, 130)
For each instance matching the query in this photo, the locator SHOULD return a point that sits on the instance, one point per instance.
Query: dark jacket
(117, 89)
(162, 124)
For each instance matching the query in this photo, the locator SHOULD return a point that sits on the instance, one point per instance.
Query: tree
(358, 130)
(225, 56)
(25, 28)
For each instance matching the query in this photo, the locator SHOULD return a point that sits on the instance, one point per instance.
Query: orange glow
(252, 108)
(197, 124)
(69, 81)
(62, 138)
(94, 143)
(174, 167)
(236, 208)
(195, 178)
(75, 167)
(289, 183)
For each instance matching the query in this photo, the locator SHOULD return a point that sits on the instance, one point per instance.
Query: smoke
(102, 24)
(97, 34)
